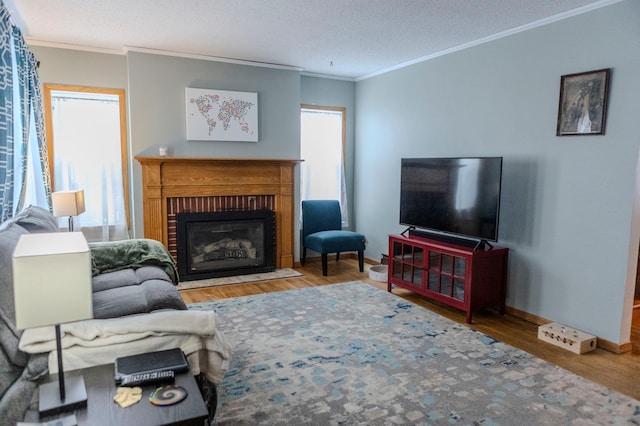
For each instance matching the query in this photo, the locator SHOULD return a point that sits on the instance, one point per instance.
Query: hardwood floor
(620, 372)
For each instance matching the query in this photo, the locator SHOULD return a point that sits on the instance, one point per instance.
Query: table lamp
(52, 286)
(68, 203)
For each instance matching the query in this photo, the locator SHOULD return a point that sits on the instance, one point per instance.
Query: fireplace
(225, 243)
(166, 178)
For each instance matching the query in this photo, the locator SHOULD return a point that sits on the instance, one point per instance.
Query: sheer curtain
(87, 155)
(322, 174)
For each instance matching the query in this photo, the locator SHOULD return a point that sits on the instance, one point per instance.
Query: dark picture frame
(582, 109)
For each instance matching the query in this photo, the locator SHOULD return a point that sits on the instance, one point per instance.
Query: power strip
(566, 337)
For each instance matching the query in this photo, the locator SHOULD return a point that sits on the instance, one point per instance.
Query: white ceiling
(343, 38)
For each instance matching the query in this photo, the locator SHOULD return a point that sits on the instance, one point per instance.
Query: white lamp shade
(52, 279)
(68, 203)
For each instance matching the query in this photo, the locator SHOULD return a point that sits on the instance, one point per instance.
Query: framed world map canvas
(221, 115)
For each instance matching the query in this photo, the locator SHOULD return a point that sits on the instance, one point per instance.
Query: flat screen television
(457, 197)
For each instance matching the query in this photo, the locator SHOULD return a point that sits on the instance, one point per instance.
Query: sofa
(137, 308)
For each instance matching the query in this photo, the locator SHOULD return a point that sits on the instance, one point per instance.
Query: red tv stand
(457, 275)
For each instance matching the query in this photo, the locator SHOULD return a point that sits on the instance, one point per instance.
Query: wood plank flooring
(620, 372)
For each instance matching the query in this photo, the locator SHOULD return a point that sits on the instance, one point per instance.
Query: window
(87, 150)
(322, 147)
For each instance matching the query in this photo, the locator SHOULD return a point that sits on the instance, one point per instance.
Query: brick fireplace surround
(173, 185)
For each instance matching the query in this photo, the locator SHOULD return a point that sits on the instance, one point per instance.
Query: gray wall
(567, 210)
(78, 68)
(158, 117)
(155, 86)
(336, 93)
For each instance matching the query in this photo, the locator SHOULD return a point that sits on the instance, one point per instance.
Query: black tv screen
(459, 196)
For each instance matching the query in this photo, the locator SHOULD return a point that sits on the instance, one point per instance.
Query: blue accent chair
(322, 232)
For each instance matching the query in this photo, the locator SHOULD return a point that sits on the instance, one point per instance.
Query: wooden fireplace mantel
(166, 177)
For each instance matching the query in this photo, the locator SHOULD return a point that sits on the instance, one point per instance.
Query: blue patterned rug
(350, 354)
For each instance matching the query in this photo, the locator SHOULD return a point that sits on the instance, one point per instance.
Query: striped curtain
(32, 135)
(6, 116)
(21, 121)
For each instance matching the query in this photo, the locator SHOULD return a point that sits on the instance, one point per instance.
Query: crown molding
(522, 28)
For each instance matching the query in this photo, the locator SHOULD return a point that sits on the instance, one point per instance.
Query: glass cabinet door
(446, 274)
(418, 257)
(396, 260)
(459, 269)
(408, 263)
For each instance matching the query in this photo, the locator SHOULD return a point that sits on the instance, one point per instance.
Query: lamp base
(50, 403)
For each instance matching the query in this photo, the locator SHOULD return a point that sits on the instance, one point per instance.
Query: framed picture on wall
(221, 115)
(583, 103)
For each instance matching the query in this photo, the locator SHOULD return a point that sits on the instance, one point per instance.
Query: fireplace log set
(227, 248)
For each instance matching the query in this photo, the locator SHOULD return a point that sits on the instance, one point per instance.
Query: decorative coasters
(168, 395)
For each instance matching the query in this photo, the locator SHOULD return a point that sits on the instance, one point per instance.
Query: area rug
(239, 279)
(350, 354)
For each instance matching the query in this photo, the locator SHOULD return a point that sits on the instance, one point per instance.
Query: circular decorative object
(168, 395)
(379, 273)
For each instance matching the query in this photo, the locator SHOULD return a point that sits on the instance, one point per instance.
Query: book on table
(150, 362)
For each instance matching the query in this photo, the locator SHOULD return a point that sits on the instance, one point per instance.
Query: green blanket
(117, 255)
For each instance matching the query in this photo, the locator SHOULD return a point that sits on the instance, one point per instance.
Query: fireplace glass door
(225, 243)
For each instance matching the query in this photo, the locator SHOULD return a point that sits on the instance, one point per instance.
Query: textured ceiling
(343, 38)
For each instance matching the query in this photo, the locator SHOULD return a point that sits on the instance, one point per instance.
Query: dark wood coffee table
(102, 410)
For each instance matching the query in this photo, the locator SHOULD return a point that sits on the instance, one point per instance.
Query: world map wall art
(221, 115)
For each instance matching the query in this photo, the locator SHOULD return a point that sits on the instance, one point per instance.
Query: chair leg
(304, 255)
(324, 264)
(337, 256)
(361, 260)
